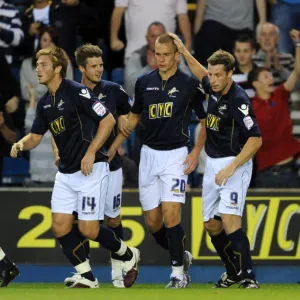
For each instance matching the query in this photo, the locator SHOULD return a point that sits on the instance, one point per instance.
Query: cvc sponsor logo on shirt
(213, 122)
(57, 126)
(160, 110)
(99, 109)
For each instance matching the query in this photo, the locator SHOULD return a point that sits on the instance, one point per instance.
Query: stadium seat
(117, 76)
(15, 170)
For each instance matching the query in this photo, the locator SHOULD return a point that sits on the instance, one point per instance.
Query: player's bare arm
(192, 158)
(55, 151)
(197, 69)
(291, 82)
(27, 143)
(251, 147)
(104, 130)
(133, 120)
(123, 122)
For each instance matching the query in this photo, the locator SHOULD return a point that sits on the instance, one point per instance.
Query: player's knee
(60, 228)
(213, 227)
(89, 229)
(171, 218)
(114, 222)
(153, 225)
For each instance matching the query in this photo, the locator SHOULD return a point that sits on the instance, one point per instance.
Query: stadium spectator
(140, 13)
(280, 64)
(276, 159)
(285, 14)
(64, 15)
(11, 33)
(8, 100)
(218, 23)
(143, 60)
(243, 51)
(28, 77)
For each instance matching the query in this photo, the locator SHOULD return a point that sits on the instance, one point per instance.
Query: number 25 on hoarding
(32, 238)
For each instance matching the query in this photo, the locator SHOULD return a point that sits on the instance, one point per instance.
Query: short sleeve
(181, 7)
(198, 102)
(123, 101)
(243, 114)
(121, 3)
(89, 104)
(39, 125)
(138, 103)
(205, 85)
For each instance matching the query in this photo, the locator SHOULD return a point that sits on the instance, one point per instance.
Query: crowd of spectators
(257, 32)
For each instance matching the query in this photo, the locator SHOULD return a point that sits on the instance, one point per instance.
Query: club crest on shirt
(172, 91)
(101, 96)
(222, 109)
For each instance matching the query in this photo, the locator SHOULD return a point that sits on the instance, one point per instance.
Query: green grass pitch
(147, 292)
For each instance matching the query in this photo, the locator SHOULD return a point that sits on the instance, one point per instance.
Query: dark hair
(166, 39)
(86, 51)
(156, 23)
(58, 57)
(254, 74)
(54, 38)
(245, 39)
(222, 57)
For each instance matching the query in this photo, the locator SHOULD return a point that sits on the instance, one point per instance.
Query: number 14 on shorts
(88, 202)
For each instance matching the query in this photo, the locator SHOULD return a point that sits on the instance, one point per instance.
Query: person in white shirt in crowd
(140, 13)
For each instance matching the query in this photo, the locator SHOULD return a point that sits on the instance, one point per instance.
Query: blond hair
(58, 57)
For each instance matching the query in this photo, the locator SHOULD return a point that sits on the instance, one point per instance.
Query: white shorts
(161, 176)
(228, 199)
(114, 194)
(83, 194)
